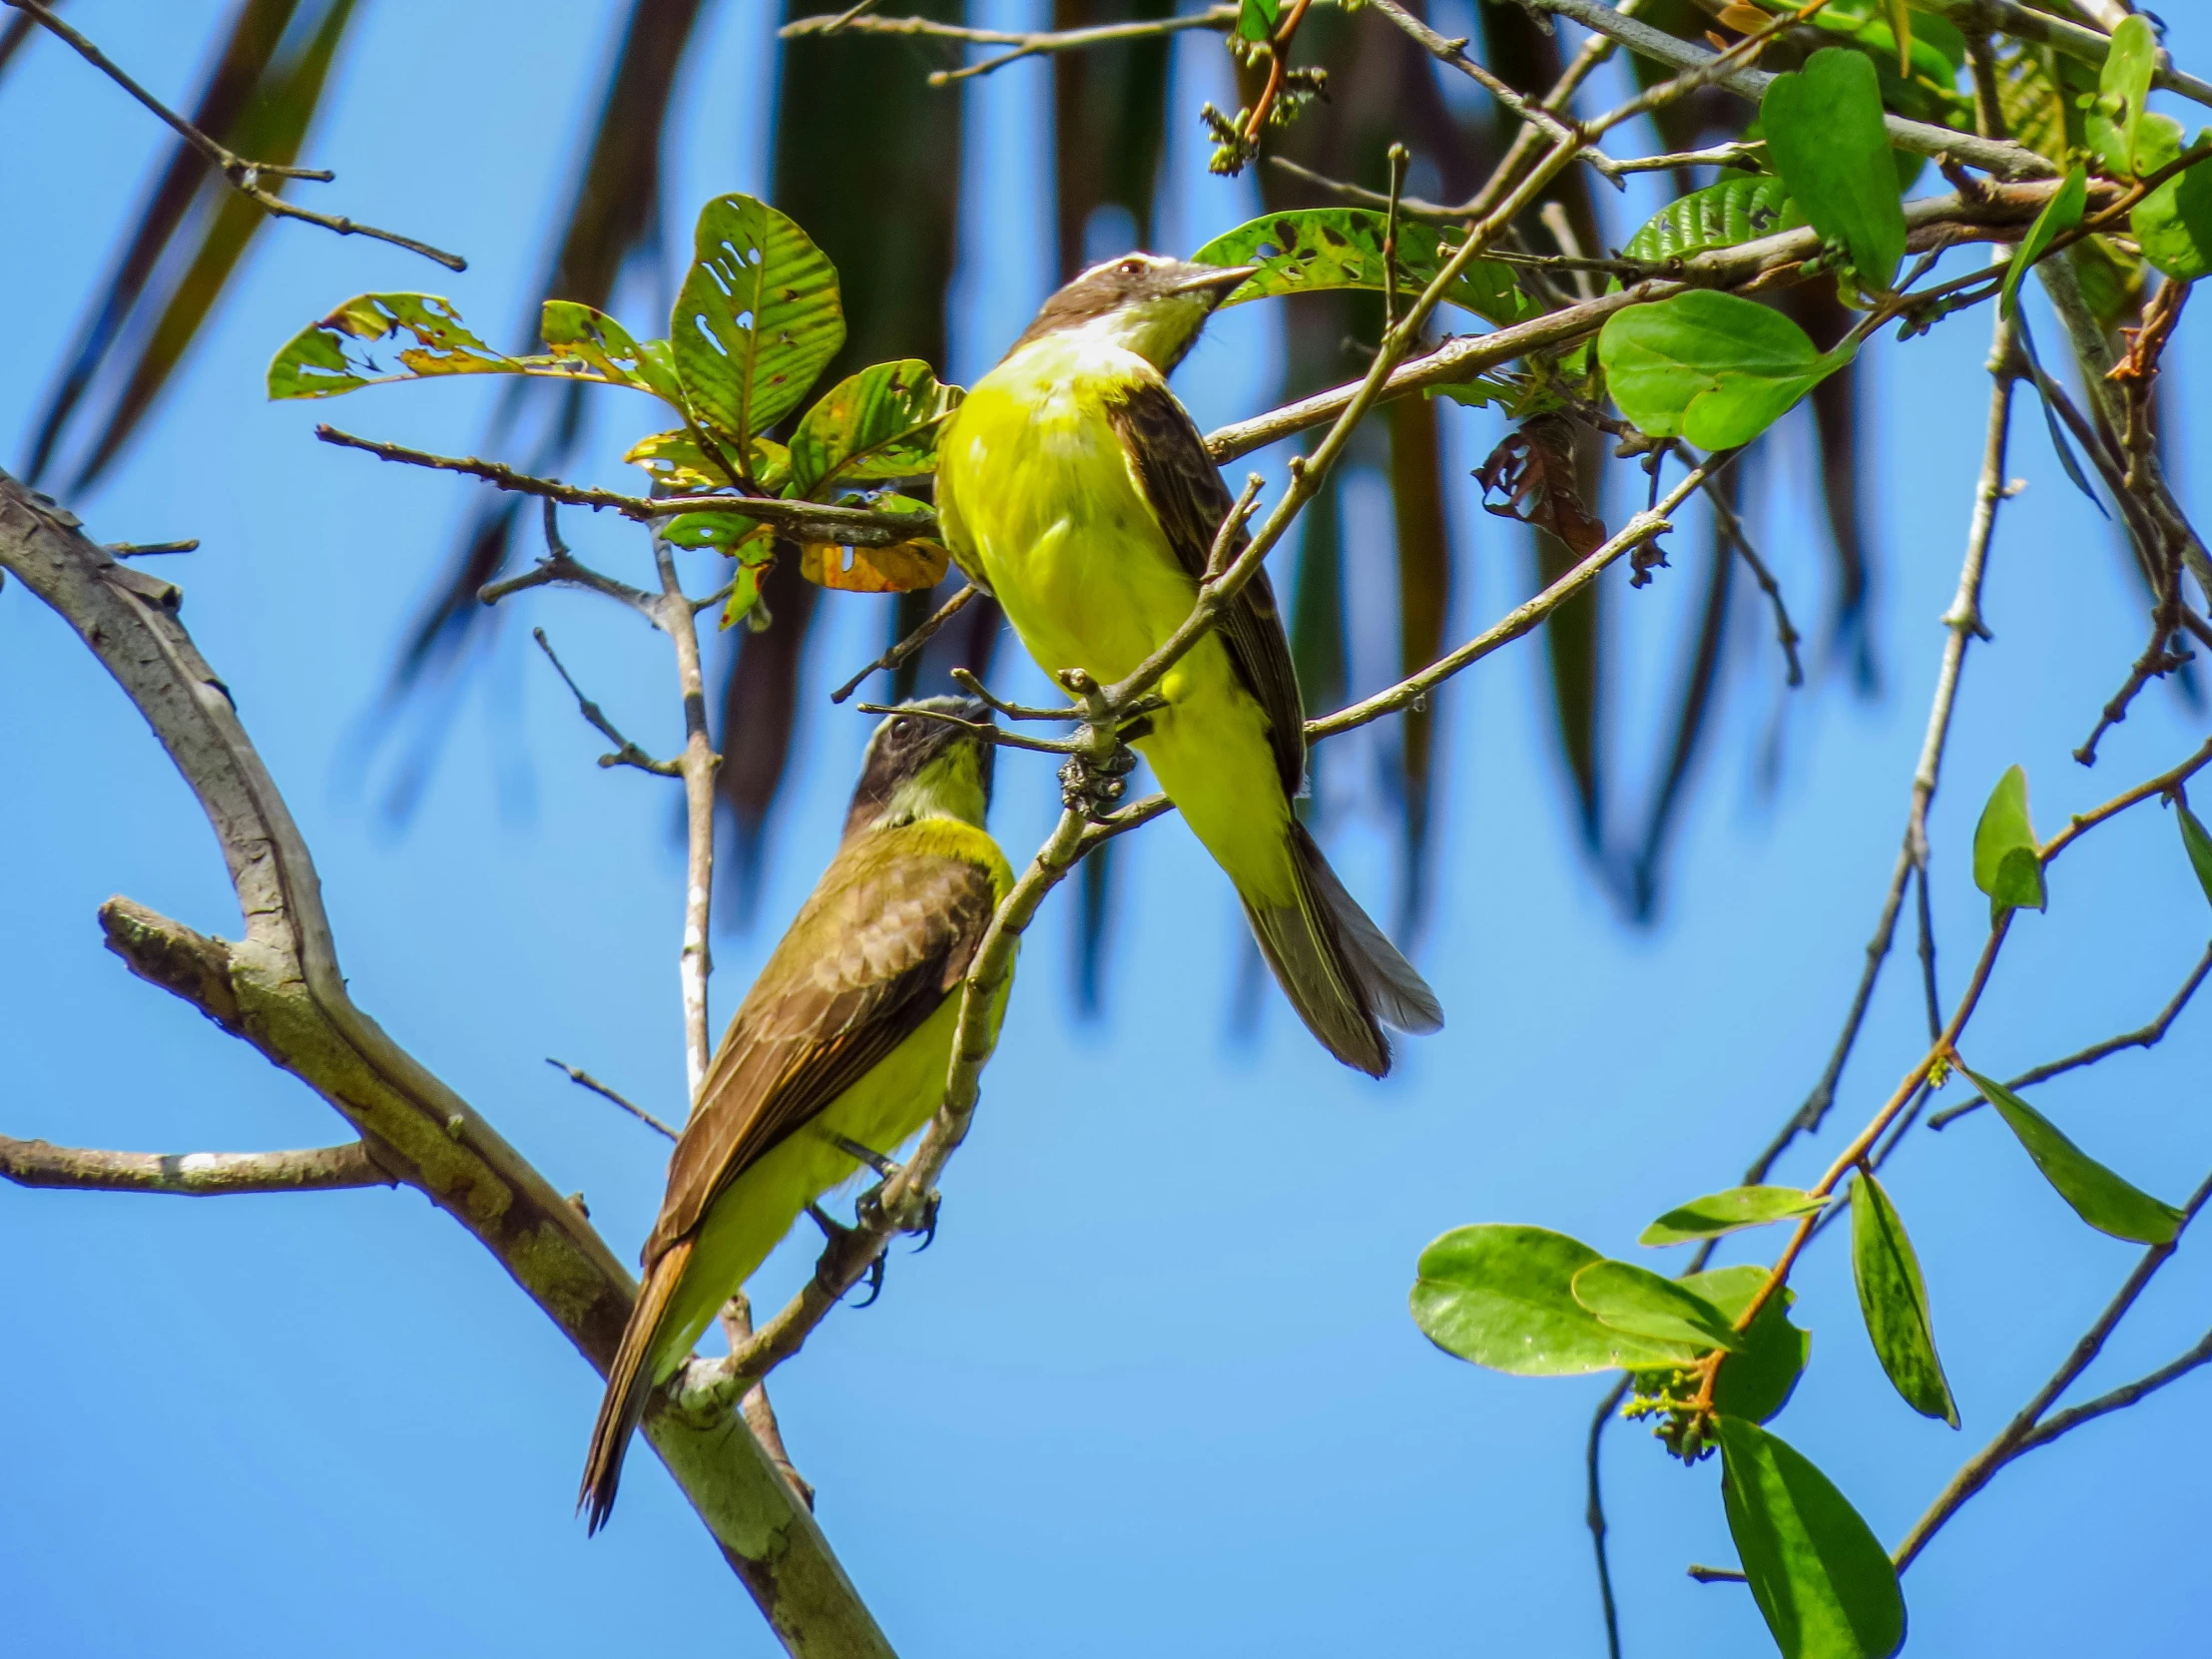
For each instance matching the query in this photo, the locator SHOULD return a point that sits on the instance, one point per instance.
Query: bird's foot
(839, 1234)
(1092, 787)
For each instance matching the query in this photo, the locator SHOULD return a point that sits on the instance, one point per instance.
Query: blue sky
(1155, 1386)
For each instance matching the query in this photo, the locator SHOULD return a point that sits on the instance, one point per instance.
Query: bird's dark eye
(1130, 267)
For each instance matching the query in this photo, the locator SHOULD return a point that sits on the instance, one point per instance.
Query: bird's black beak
(1217, 280)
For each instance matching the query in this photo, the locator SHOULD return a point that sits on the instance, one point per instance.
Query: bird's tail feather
(629, 1385)
(1346, 980)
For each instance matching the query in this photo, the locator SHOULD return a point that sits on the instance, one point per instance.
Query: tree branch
(192, 1174)
(241, 174)
(1025, 45)
(282, 991)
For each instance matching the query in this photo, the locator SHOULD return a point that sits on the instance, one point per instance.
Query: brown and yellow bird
(1074, 486)
(842, 1042)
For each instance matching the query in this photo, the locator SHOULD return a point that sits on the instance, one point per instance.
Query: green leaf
(2199, 844)
(1735, 210)
(1315, 250)
(745, 595)
(1822, 1579)
(730, 533)
(1756, 1381)
(1893, 1301)
(1710, 367)
(2098, 1196)
(1501, 1296)
(1644, 1304)
(758, 316)
(2008, 863)
(2173, 223)
(879, 424)
(1478, 393)
(2113, 123)
(1255, 18)
(1729, 1212)
(577, 335)
(332, 356)
(2060, 213)
(1825, 136)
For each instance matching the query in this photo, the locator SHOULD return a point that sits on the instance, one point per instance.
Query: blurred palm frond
(259, 98)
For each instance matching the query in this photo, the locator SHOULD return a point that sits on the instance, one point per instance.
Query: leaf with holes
(1825, 136)
(1718, 1214)
(1725, 215)
(1315, 250)
(2099, 1197)
(334, 355)
(1822, 1579)
(1711, 367)
(757, 318)
(1501, 1296)
(2008, 863)
(2198, 843)
(902, 568)
(605, 350)
(1646, 1304)
(879, 424)
(1892, 1299)
(730, 533)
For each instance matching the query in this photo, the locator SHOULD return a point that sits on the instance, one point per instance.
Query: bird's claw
(1092, 787)
(837, 1232)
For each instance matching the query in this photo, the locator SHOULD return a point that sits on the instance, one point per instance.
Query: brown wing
(1185, 490)
(884, 939)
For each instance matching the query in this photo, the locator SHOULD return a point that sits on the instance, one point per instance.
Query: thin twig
(2011, 1440)
(1593, 1513)
(241, 174)
(2146, 1038)
(578, 1076)
(626, 752)
(149, 549)
(1028, 45)
(760, 1416)
(191, 1174)
(699, 764)
(1785, 632)
(809, 520)
(913, 643)
(2118, 1398)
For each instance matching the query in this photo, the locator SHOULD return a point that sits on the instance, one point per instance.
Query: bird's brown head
(928, 758)
(1143, 302)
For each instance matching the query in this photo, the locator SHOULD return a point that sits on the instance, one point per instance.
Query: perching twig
(1025, 45)
(577, 1075)
(760, 1416)
(149, 549)
(811, 520)
(913, 643)
(241, 174)
(191, 1174)
(2018, 1435)
(626, 752)
(2146, 1038)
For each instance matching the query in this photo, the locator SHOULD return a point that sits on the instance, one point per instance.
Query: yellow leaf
(898, 569)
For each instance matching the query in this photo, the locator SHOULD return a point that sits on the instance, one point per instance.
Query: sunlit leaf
(758, 316)
(1255, 18)
(2114, 123)
(1825, 134)
(2173, 223)
(1822, 1579)
(1736, 210)
(902, 568)
(2099, 1197)
(605, 348)
(2008, 863)
(745, 595)
(1646, 1304)
(730, 533)
(1756, 1381)
(1711, 367)
(1501, 1296)
(2060, 213)
(879, 424)
(1313, 250)
(2199, 844)
(1892, 1299)
(1728, 1212)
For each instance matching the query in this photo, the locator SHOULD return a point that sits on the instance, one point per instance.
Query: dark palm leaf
(241, 69)
(1423, 607)
(874, 175)
(610, 220)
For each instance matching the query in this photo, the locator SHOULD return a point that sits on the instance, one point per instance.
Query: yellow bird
(1074, 486)
(843, 1043)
